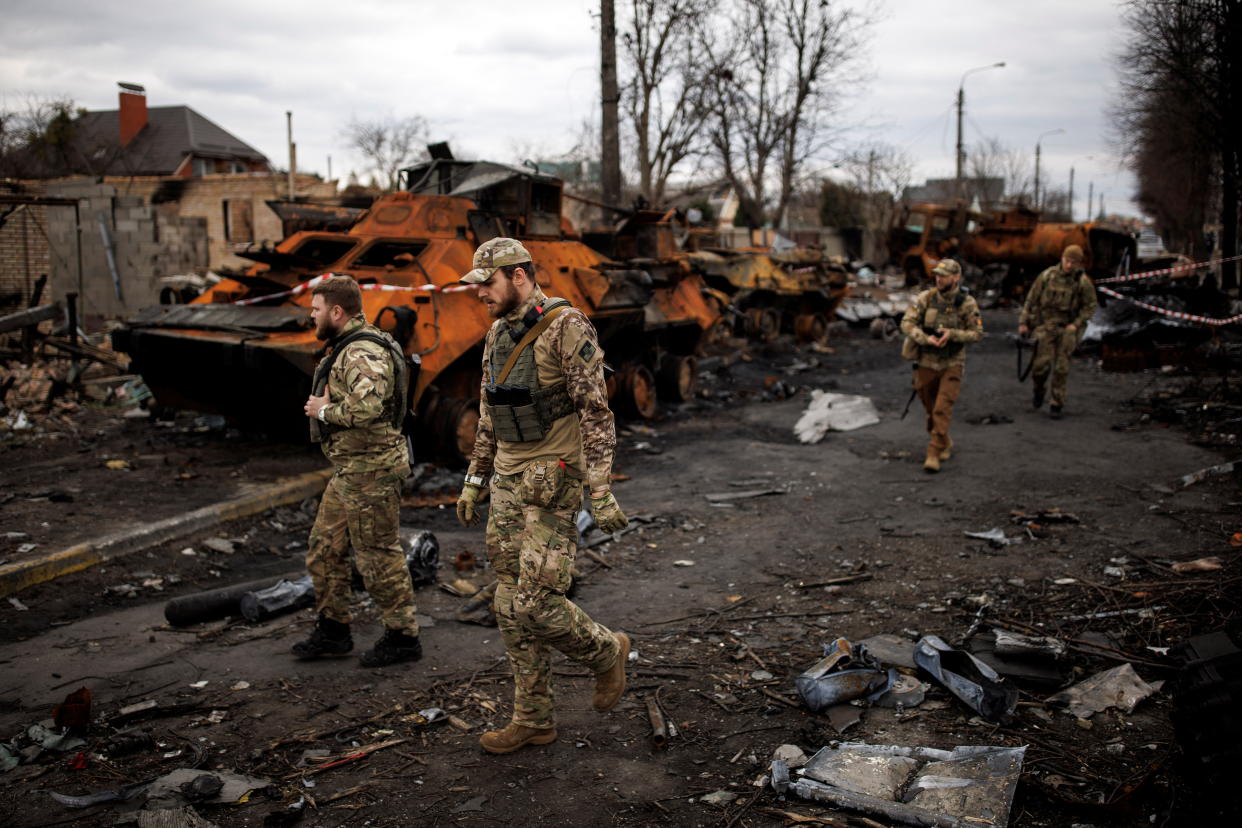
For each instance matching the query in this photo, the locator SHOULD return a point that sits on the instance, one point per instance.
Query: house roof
(171, 133)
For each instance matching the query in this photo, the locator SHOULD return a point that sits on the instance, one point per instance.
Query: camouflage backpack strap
(400, 374)
(550, 313)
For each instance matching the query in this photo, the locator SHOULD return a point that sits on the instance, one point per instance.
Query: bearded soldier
(938, 326)
(356, 405)
(545, 431)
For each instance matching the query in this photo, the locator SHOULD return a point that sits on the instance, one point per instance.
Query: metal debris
(961, 788)
(968, 678)
(1119, 687)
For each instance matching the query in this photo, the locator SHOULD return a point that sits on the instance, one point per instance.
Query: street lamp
(961, 106)
(1037, 141)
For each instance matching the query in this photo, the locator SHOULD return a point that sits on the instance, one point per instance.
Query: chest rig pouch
(1060, 300)
(395, 407)
(939, 314)
(521, 410)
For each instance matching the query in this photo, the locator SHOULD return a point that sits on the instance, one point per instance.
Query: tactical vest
(394, 406)
(521, 409)
(940, 313)
(1060, 302)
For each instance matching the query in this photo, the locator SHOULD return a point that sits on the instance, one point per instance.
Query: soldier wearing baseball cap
(492, 256)
(545, 431)
(938, 326)
(1061, 301)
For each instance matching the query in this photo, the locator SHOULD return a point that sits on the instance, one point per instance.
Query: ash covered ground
(726, 605)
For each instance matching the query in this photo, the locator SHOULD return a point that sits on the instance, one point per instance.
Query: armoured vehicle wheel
(811, 327)
(451, 423)
(765, 322)
(636, 391)
(678, 379)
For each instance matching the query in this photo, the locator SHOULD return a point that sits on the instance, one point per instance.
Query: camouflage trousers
(938, 391)
(1054, 345)
(531, 543)
(362, 510)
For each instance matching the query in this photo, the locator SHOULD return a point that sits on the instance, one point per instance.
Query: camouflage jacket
(957, 312)
(585, 440)
(1059, 298)
(359, 387)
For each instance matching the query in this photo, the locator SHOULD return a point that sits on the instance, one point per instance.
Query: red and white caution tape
(305, 286)
(1134, 277)
(1188, 317)
(294, 291)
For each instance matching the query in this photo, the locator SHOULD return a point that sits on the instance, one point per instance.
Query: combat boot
(947, 452)
(393, 647)
(932, 464)
(329, 637)
(1037, 395)
(610, 684)
(515, 736)
(1054, 411)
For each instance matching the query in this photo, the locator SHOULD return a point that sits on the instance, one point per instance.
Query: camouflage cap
(1073, 253)
(495, 254)
(947, 267)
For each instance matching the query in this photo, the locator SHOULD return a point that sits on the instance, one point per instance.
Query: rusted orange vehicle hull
(252, 362)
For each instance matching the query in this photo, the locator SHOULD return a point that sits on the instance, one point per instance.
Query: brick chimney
(133, 112)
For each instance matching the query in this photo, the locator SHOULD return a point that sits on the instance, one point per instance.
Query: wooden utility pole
(610, 98)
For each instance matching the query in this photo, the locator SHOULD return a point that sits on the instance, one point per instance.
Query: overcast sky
(506, 80)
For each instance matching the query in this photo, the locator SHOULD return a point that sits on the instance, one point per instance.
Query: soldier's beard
(325, 330)
(502, 305)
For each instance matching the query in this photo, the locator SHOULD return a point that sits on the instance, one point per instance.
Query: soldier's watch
(474, 480)
(319, 414)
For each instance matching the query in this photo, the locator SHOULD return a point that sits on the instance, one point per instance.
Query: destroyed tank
(1012, 246)
(796, 291)
(246, 349)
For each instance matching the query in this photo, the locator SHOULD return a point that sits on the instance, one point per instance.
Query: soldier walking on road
(938, 327)
(1061, 301)
(544, 430)
(356, 406)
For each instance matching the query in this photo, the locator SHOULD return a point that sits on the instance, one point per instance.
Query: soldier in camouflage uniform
(544, 431)
(355, 407)
(1061, 301)
(938, 326)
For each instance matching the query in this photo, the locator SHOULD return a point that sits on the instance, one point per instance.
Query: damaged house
(158, 190)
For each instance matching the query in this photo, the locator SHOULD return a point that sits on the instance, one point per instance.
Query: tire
(811, 327)
(636, 391)
(678, 378)
(765, 323)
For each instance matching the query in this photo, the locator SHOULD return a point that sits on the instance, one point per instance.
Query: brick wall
(204, 198)
(24, 253)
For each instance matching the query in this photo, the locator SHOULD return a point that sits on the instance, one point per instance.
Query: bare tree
(665, 43)
(878, 167)
(388, 144)
(39, 137)
(1180, 73)
(773, 91)
(991, 160)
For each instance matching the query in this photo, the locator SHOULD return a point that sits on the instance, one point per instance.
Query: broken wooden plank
(28, 317)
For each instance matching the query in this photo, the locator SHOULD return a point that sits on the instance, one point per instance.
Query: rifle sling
(525, 342)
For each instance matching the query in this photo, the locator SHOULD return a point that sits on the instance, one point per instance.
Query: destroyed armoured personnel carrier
(796, 291)
(246, 349)
(1011, 245)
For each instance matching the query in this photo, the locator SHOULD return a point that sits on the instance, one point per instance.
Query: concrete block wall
(148, 243)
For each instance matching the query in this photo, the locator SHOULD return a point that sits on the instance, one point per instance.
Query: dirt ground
(725, 604)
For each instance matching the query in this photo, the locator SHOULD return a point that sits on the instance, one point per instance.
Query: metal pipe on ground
(215, 604)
